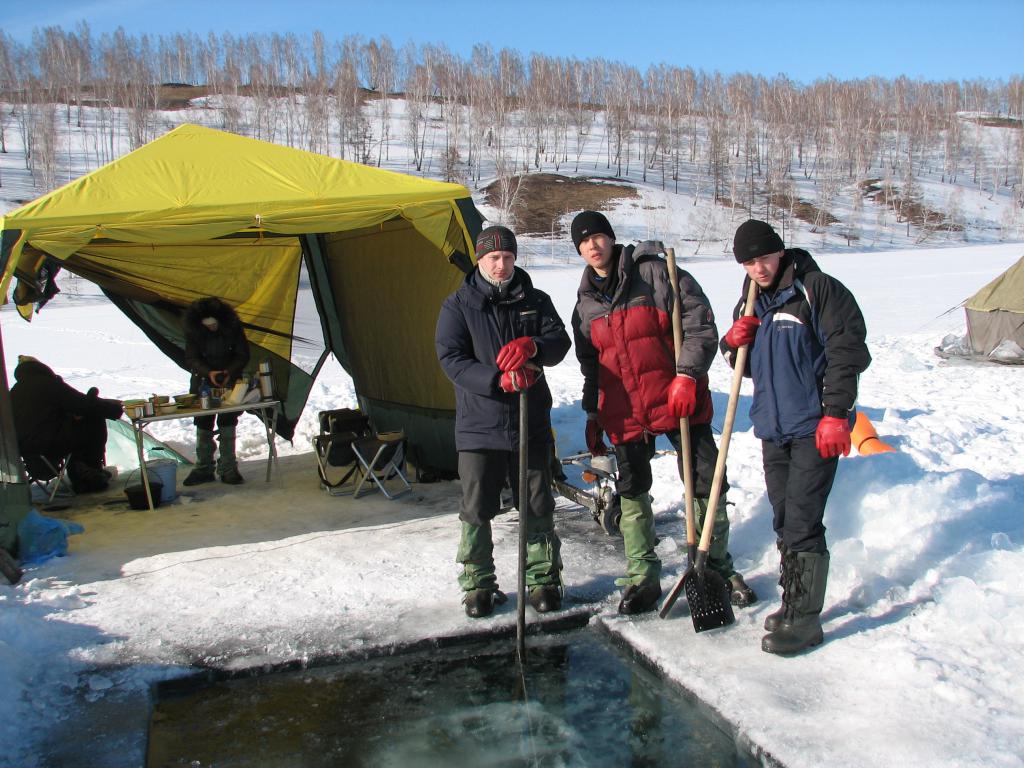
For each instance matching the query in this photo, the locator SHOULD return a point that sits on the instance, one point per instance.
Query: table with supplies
(267, 410)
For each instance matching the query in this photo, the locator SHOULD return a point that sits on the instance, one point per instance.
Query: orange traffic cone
(865, 438)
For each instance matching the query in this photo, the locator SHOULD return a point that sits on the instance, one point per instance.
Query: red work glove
(518, 380)
(742, 332)
(832, 437)
(514, 354)
(682, 396)
(595, 438)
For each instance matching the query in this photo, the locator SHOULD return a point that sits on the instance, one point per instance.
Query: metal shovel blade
(707, 596)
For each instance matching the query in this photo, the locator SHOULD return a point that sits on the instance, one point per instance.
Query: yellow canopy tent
(201, 212)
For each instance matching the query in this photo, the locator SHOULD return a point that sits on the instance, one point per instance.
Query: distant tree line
(741, 139)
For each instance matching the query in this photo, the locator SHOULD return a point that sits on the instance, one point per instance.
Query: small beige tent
(995, 314)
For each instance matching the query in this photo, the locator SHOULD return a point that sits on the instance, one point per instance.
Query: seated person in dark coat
(53, 419)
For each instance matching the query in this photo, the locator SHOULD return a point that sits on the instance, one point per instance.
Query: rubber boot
(478, 580)
(543, 552)
(806, 574)
(774, 619)
(202, 471)
(643, 567)
(481, 602)
(227, 464)
(719, 559)
(544, 569)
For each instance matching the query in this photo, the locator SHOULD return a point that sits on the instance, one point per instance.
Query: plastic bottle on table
(204, 395)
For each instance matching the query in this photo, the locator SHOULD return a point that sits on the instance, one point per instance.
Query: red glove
(514, 354)
(742, 332)
(832, 437)
(518, 380)
(682, 396)
(595, 438)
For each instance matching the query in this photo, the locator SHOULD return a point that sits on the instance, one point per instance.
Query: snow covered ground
(924, 615)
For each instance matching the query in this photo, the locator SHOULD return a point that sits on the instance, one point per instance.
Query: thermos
(266, 380)
(204, 395)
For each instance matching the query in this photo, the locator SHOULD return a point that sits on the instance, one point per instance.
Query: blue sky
(803, 39)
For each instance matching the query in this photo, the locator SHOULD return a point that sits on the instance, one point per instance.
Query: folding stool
(41, 472)
(381, 458)
(339, 429)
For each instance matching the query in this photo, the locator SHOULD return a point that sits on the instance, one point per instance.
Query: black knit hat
(495, 239)
(755, 238)
(590, 223)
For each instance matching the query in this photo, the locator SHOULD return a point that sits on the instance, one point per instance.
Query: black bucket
(137, 494)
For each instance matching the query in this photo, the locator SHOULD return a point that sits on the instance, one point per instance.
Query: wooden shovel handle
(684, 423)
(730, 418)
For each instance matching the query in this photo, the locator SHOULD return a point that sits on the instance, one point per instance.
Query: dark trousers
(85, 438)
(634, 461)
(798, 482)
(484, 473)
(223, 420)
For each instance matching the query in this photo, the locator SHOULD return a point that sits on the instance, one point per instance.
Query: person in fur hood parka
(215, 350)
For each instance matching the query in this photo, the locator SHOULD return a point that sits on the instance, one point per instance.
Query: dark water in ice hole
(586, 704)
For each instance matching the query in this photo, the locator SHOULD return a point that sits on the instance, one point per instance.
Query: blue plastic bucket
(166, 471)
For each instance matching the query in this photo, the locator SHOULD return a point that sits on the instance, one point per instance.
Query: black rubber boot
(227, 465)
(202, 472)
(199, 476)
(481, 602)
(87, 479)
(640, 598)
(805, 577)
(774, 619)
(740, 594)
(546, 598)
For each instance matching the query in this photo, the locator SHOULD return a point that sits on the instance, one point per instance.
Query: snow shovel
(707, 593)
(684, 442)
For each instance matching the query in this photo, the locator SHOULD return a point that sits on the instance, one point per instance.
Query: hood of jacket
(211, 306)
(623, 257)
(796, 264)
(32, 369)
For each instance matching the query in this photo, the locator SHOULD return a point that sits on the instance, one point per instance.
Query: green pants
(543, 555)
(637, 526)
(719, 559)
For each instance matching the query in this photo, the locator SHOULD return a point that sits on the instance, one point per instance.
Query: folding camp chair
(339, 429)
(381, 459)
(43, 474)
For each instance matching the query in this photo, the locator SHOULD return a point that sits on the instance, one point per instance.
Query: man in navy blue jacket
(494, 336)
(807, 348)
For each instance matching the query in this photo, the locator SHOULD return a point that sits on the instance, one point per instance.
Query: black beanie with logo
(495, 238)
(755, 238)
(590, 223)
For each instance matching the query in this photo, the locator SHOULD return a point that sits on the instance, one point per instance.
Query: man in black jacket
(494, 336)
(215, 350)
(807, 348)
(53, 419)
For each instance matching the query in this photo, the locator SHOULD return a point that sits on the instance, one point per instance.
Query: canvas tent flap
(202, 212)
(1005, 293)
(995, 313)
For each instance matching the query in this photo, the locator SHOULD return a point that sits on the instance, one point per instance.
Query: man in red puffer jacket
(634, 390)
